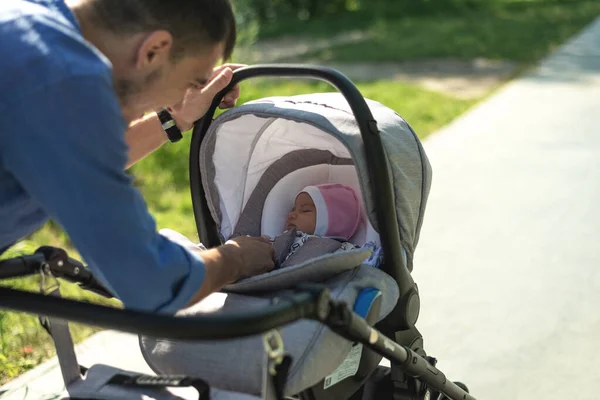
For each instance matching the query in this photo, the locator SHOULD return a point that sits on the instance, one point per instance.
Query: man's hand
(256, 256)
(197, 101)
(237, 259)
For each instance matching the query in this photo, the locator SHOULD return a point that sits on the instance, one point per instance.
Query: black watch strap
(169, 126)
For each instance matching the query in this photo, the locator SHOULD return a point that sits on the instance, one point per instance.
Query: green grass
(163, 179)
(519, 31)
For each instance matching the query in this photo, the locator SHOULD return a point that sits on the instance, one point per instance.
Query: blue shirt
(63, 156)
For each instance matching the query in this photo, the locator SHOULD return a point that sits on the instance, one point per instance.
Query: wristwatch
(169, 126)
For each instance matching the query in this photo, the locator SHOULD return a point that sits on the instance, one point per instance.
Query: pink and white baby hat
(338, 210)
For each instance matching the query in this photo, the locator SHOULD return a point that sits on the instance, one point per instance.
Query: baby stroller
(269, 336)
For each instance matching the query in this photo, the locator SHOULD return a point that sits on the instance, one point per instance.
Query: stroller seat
(253, 160)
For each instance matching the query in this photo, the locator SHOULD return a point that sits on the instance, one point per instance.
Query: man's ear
(155, 50)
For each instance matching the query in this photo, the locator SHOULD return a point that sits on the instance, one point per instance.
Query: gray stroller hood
(243, 143)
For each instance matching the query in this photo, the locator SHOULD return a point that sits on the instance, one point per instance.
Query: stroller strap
(63, 341)
(276, 367)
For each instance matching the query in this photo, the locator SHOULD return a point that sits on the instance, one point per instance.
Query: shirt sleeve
(64, 143)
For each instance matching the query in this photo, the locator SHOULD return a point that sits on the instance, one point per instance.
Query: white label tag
(348, 368)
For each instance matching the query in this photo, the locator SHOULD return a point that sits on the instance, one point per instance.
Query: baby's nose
(292, 215)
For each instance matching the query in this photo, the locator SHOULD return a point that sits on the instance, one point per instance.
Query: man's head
(158, 48)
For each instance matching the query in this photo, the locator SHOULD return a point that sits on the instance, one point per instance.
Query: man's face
(160, 82)
(304, 215)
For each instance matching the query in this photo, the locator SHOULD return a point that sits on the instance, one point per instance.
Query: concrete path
(509, 259)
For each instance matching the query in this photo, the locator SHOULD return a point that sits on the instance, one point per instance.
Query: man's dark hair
(193, 23)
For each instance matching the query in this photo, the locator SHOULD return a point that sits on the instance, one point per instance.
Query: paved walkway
(509, 260)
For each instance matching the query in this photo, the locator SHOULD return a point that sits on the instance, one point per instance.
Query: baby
(329, 212)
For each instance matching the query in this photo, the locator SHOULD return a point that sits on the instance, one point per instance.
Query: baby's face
(304, 215)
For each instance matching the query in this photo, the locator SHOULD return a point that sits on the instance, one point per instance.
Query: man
(76, 77)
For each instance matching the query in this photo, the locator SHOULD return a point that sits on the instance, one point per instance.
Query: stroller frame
(413, 374)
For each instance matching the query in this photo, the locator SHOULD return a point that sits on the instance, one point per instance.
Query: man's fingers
(231, 66)
(230, 98)
(263, 238)
(218, 70)
(218, 83)
(234, 93)
(221, 77)
(224, 105)
(267, 238)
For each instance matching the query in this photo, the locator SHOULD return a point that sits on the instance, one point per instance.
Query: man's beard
(131, 92)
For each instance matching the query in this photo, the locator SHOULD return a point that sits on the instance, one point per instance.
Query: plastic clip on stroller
(313, 302)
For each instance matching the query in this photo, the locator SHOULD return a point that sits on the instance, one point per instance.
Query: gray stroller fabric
(281, 246)
(314, 247)
(236, 365)
(315, 269)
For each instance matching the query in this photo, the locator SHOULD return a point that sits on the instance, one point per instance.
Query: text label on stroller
(348, 368)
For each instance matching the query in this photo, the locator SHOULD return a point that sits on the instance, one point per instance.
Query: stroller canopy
(251, 154)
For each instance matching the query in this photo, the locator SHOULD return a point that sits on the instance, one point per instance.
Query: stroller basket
(313, 302)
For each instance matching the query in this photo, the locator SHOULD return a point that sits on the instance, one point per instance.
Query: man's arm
(143, 137)
(66, 148)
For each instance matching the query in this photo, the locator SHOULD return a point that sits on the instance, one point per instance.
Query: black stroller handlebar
(21, 266)
(381, 185)
(209, 327)
(54, 262)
